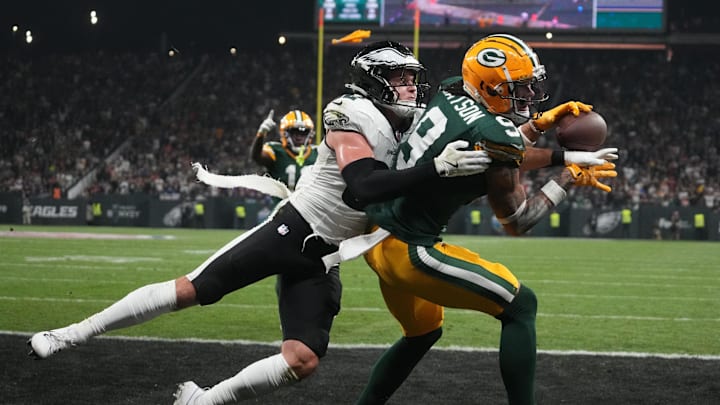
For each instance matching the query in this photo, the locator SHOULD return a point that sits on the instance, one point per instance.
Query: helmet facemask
(522, 98)
(295, 138)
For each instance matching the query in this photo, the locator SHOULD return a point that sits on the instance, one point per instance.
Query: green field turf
(594, 294)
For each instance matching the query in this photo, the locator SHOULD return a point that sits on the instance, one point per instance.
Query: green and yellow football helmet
(495, 67)
(296, 130)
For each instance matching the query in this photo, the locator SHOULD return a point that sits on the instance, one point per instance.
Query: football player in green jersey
(492, 107)
(285, 160)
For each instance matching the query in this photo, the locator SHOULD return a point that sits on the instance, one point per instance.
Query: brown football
(586, 132)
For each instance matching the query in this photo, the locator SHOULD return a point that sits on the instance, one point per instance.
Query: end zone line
(241, 342)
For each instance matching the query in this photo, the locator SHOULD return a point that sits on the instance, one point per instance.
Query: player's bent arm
(509, 202)
(256, 151)
(369, 180)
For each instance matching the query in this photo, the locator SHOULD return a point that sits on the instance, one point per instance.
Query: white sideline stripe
(86, 258)
(558, 295)
(242, 342)
(112, 263)
(377, 309)
(617, 284)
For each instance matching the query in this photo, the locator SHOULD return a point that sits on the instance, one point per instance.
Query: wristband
(557, 158)
(554, 192)
(534, 128)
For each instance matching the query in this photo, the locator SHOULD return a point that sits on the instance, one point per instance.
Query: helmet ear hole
(490, 90)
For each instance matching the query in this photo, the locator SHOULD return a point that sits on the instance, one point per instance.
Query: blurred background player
(286, 160)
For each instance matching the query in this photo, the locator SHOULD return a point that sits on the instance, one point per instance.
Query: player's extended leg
(308, 305)
(150, 301)
(518, 347)
(139, 306)
(233, 266)
(456, 277)
(396, 363)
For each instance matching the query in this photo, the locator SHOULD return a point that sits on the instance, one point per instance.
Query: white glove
(454, 162)
(586, 159)
(268, 124)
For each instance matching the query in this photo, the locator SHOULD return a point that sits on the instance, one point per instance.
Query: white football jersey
(318, 194)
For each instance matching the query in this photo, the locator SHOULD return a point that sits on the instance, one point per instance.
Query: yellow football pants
(418, 281)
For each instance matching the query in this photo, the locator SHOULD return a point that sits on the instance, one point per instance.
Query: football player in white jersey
(351, 170)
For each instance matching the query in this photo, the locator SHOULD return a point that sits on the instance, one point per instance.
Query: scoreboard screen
(569, 15)
(352, 11)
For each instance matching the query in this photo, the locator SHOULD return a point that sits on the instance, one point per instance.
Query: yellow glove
(588, 176)
(547, 119)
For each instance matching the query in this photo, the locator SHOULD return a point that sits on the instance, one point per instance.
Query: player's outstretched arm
(517, 213)
(536, 158)
(257, 153)
(370, 181)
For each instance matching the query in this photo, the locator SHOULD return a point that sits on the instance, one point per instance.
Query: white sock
(260, 378)
(139, 306)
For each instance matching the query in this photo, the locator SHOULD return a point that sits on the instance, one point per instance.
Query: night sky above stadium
(140, 23)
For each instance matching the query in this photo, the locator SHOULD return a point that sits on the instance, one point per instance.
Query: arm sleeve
(256, 154)
(370, 181)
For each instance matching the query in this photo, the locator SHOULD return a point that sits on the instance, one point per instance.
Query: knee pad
(523, 307)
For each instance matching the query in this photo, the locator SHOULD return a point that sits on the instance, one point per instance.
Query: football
(586, 132)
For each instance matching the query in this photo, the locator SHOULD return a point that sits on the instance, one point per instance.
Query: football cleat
(45, 344)
(187, 393)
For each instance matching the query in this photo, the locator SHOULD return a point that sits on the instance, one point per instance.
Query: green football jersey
(419, 218)
(288, 168)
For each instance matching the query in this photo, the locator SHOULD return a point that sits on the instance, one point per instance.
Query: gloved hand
(588, 176)
(586, 159)
(454, 162)
(268, 124)
(547, 119)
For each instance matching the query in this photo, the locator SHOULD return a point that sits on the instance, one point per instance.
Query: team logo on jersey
(491, 57)
(283, 229)
(335, 119)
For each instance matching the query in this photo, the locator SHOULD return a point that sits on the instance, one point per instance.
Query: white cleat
(45, 344)
(188, 393)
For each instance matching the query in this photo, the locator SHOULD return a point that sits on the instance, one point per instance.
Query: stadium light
(93, 17)
(282, 40)
(15, 28)
(233, 50)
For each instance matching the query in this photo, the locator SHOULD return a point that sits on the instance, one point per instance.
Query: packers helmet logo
(491, 57)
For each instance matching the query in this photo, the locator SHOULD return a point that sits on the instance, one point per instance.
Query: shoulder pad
(351, 112)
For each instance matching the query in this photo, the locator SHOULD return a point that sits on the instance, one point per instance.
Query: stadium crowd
(139, 119)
